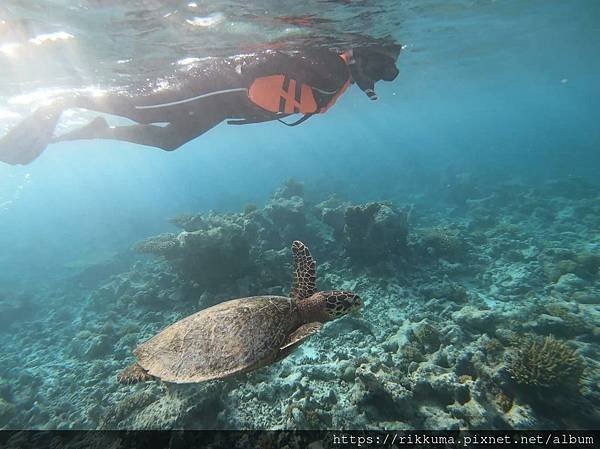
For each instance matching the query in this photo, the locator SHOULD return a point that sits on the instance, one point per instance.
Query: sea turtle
(241, 335)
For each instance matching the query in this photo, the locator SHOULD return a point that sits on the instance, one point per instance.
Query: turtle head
(327, 306)
(338, 303)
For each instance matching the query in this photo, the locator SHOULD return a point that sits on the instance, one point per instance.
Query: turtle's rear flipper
(28, 139)
(133, 374)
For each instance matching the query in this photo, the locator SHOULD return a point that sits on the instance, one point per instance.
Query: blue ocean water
(504, 93)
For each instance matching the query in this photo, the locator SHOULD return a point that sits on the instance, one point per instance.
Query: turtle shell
(234, 336)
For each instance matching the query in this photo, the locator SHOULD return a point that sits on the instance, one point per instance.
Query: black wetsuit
(199, 99)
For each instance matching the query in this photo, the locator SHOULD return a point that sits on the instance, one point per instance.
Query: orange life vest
(282, 94)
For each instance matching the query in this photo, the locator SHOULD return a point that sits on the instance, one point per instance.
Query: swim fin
(29, 139)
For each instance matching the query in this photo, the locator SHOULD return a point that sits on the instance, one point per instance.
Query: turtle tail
(133, 374)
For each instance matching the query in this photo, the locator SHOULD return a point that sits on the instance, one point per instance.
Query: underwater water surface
(463, 206)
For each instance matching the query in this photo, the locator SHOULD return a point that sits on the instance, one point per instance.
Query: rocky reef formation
(374, 231)
(470, 320)
(213, 249)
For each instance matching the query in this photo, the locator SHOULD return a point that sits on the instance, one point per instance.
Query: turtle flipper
(305, 268)
(298, 337)
(133, 374)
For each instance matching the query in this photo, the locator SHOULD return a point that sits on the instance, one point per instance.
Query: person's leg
(188, 120)
(167, 138)
(26, 141)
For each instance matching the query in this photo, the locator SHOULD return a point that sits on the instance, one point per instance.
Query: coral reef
(453, 334)
(163, 244)
(213, 249)
(544, 362)
(443, 242)
(375, 231)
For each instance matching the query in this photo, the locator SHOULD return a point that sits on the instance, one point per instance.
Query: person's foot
(95, 129)
(28, 139)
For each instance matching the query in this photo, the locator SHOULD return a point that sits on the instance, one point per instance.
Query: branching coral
(544, 362)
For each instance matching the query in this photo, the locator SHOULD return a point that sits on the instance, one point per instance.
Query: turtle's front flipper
(298, 337)
(304, 284)
(133, 374)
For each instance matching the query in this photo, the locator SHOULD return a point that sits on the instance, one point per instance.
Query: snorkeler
(242, 89)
